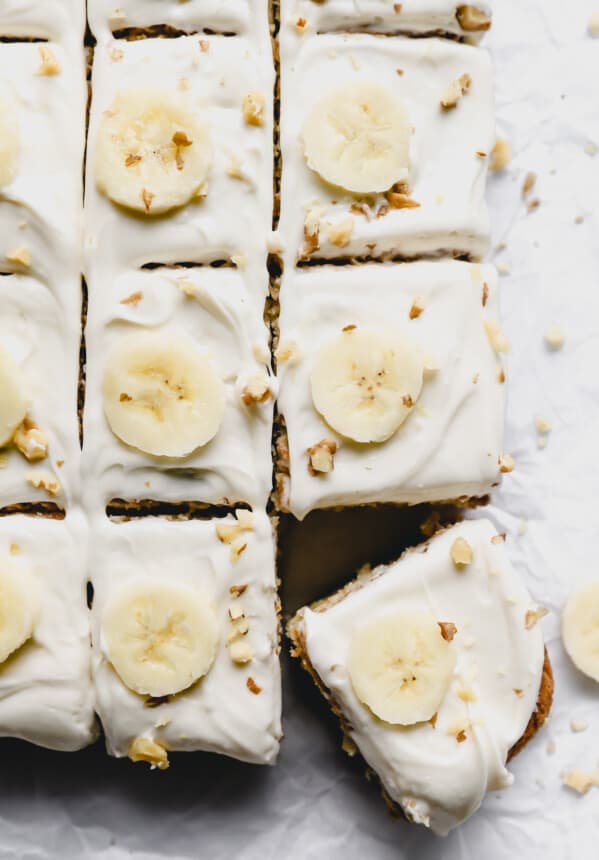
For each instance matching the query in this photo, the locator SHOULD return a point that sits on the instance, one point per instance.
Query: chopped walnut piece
(534, 615)
(529, 183)
(238, 547)
(301, 25)
(579, 780)
(472, 20)
(253, 108)
(498, 341)
(506, 464)
(312, 229)
(448, 630)
(322, 457)
(253, 687)
(20, 255)
(455, 91)
(461, 736)
(133, 299)
(501, 155)
(30, 441)
(400, 200)
(417, 307)
(542, 424)
(237, 590)
(44, 481)
(554, 337)
(145, 749)
(257, 390)
(340, 234)
(461, 552)
(241, 651)
(49, 65)
(147, 198)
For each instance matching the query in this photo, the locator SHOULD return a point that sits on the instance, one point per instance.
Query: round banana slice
(10, 141)
(19, 607)
(159, 637)
(358, 137)
(400, 667)
(13, 406)
(161, 396)
(153, 153)
(580, 629)
(365, 383)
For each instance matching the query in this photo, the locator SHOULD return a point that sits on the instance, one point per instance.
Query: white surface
(315, 804)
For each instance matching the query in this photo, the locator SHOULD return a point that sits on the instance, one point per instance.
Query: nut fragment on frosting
(43, 480)
(49, 63)
(145, 749)
(256, 390)
(501, 154)
(472, 19)
(456, 91)
(461, 552)
(322, 457)
(253, 108)
(554, 337)
(579, 780)
(498, 341)
(30, 441)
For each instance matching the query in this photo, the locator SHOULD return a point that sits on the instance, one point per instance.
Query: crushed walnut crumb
(456, 91)
(256, 390)
(448, 630)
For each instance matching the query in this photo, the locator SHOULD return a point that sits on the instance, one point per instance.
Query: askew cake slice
(413, 17)
(191, 16)
(179, 157)
(179, 399)
(39, 373)
(46, 694)
(391, 385)
(185, 654)
(385, 144)
(436, 668)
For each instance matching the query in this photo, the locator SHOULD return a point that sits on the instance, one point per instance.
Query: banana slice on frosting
(580, 629)
(358, 138)
(10, 141)
(159, 637)
(400, 666)
(365, 383)
(13, 406)
(19, 607)
(161, 396)
(153, 152)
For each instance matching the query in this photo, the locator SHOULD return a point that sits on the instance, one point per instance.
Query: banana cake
(179, 391)
(436, 667)
(46, 693)
(385, 144)
(185, 657)
(391, 384)
(413, 17)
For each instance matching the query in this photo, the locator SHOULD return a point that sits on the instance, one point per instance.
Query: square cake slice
(385, 144)
(39, 374)
(436, 667)
(391, 384)
(191, 16)
(62, 20)
(412, 17)
(185, 652)
(179, 158)
(46, 694)
(180, 396)
(42, 128)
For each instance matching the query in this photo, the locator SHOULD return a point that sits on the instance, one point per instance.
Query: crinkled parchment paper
(316, 802)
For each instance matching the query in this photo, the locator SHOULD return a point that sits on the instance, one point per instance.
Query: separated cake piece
(46, 694)
(186, 655)
(415, 17)
(435, 666)
(179, 400)
(179, 165)
(189, 16)
(42, 133)
(385, 143)
(391, 384)
(39, 371)
(63, 20)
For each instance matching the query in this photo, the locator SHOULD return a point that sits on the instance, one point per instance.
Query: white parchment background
(316, 803)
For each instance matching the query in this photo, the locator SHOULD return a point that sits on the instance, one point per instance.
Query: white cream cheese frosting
(222, 16)
(448, 149)
(49, 19)
(234, 218)
(219, 713)
(450, 444)
(46, 694)
(220, 310)
(41, 208)
(437, 780)
(380, 16)
(41, 335)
